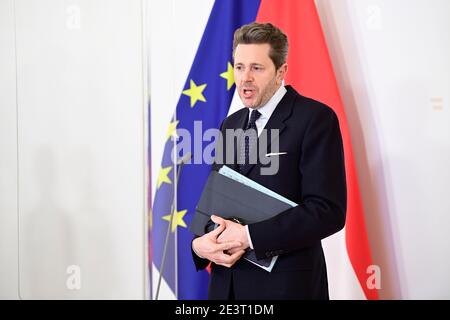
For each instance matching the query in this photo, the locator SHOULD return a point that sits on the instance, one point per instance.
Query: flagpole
(178, 166)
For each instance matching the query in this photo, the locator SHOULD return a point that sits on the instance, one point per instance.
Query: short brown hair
(259, 33)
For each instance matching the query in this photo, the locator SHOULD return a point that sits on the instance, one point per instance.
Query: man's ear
(281, 73)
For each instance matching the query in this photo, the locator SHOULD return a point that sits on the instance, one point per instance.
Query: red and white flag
(347, 253)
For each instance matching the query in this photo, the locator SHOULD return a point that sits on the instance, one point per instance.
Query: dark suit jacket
(312, 174)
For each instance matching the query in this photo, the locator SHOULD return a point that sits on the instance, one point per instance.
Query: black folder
(231, 199)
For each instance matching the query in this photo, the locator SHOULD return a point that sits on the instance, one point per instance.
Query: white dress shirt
(266, 111)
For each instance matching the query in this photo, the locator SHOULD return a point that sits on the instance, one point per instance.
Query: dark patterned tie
(248, 141)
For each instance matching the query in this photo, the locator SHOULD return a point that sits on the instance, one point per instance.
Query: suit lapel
(276, 121)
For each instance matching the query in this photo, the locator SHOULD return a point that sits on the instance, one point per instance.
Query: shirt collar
(267, 109)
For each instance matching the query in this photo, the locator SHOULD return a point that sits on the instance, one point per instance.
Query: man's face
(255, 75)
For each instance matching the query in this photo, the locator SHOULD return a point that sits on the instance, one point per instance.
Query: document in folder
(229, 194)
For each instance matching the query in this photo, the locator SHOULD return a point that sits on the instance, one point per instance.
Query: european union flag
(206, 97)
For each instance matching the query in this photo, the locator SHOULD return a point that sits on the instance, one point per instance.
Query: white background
(72, 166)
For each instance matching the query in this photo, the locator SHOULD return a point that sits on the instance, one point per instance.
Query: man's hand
(207, 247)
(233, 232)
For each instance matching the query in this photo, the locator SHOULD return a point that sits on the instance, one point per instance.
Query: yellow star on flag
(195, 92)
(229, 75)
(177, 219)
(172, 130)
(163, 176)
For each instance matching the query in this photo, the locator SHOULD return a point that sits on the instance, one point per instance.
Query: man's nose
(247, 76)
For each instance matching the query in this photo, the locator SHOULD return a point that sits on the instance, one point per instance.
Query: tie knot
(253, 117)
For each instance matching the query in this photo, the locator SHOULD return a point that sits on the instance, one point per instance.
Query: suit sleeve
(200, 263)
(323, 193)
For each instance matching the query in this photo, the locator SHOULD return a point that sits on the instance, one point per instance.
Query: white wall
(73, 149)
(8, 159)
(391, 61)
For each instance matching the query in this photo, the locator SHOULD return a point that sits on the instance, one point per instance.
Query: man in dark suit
(310, 172)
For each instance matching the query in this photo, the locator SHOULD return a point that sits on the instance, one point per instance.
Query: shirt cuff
(249, 238)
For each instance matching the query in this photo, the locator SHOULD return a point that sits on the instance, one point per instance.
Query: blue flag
(206, 97)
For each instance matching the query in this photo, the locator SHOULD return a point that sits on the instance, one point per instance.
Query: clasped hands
(224, 245)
